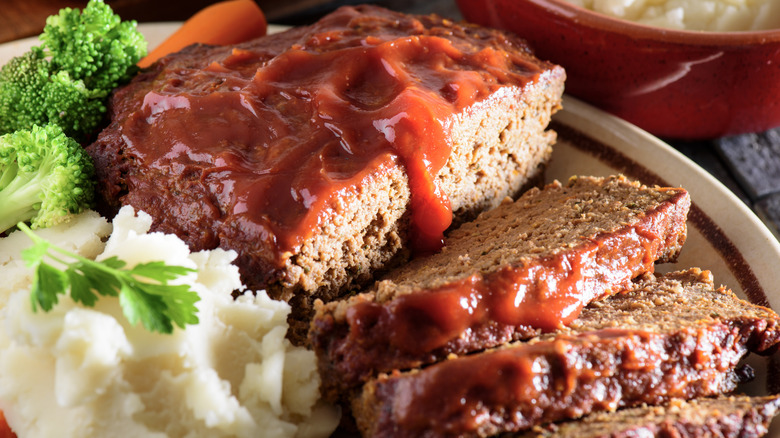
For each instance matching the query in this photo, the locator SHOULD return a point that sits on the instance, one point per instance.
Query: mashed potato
(84, 372)
(709, 15)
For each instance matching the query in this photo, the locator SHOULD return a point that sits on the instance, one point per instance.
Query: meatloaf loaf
(320, 153)
(520, 269)
(673, 336)
(721, 417)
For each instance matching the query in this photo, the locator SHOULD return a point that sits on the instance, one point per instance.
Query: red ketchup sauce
(553, 380)
(547, 294)
(508, 377)
(278, 132)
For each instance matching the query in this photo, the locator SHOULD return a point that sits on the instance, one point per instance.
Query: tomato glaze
(277, 132)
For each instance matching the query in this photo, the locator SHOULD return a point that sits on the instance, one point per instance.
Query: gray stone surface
(768, 209)
(754, 160)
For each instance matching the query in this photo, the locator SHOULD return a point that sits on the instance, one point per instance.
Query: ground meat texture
(521, 269)
(320, 153)
(671, 337)
(723, 417)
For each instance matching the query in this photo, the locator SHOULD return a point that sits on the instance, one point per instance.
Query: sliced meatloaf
(523, 268)
(722, 417)
(320, 153)
(674, 336)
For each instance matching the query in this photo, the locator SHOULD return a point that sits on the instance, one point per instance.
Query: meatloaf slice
(317, 153)
(673, 336)
(520, 269)
(722, 417)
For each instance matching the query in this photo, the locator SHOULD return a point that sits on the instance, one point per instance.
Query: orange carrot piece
(226, 22)
(5, 429)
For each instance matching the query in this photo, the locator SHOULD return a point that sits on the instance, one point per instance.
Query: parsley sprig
(143, 290)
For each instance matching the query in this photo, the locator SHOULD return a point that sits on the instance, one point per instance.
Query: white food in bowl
(706, 15)
(85, 372)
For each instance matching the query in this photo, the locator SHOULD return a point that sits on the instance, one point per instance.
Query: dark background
(19, 19)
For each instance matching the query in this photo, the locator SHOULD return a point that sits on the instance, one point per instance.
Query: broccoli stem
(20, 200)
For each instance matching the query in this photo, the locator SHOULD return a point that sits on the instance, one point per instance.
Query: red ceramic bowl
(675, 84)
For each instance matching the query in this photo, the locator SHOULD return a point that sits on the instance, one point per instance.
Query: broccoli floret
(71, 105)
(66, 80)
(45, 176)
(32, 93)
(21, 83)
(93, 45)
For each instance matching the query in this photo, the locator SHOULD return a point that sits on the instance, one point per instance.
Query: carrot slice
(5, 429)
(226, 22)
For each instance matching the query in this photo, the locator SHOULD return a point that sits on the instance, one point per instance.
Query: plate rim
(752, 257)
(635, 143)
(626, 139)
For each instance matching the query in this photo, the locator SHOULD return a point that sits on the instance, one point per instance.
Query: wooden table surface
(25, 18)
(748, 164)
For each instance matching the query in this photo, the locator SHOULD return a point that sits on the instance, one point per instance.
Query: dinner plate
(724, 235)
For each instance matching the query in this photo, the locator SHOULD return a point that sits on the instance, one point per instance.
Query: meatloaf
(320, 153)
(722, 417)
(523, 268)
(673, 336)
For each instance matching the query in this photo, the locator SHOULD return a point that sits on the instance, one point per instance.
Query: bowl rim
(597, 20)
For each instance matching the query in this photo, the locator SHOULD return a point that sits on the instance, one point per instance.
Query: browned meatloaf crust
(674, 336)
(322, 222)
(520, 269)
(721, 417)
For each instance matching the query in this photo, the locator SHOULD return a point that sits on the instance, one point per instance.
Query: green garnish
(144, 292)
(66, 81)
(45, 177)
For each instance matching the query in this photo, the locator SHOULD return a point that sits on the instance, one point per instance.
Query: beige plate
(724, 235)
